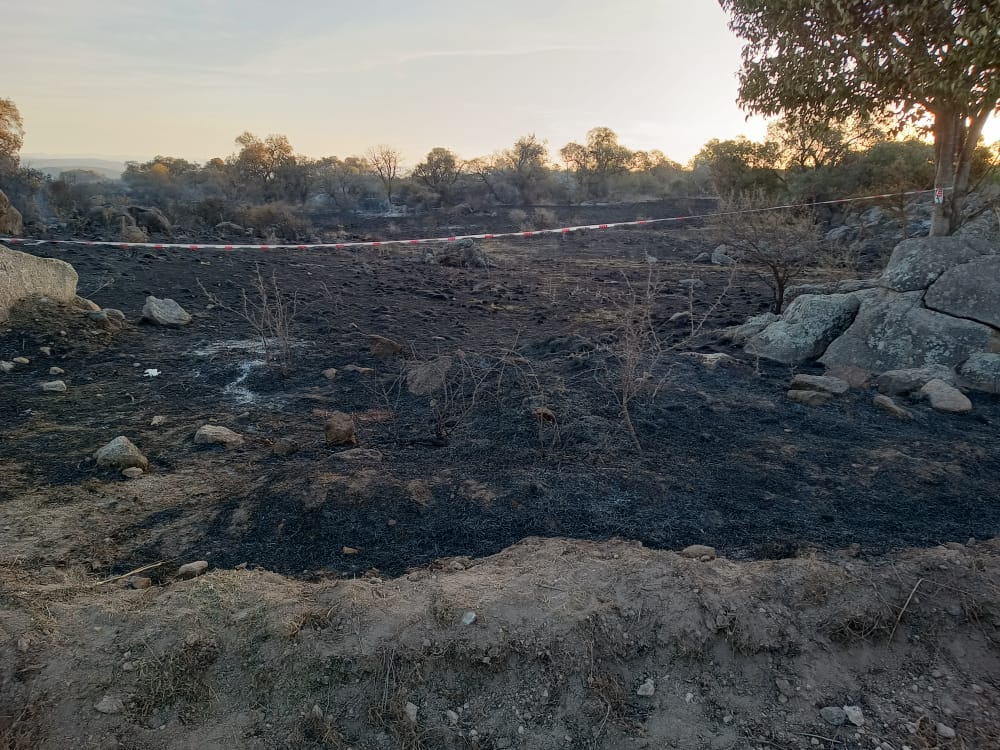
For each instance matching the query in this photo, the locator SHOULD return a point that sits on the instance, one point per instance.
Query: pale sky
(136, 78)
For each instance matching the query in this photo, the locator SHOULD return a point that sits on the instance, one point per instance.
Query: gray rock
(54, 371)
(890, 407)
(721, 256)
(971, 290)
(452, 717)
(824, 383)
(981, 372)
(898, 382)
(6, 366)
(742, 333)
(424, 378)
(121, 453)
(110, 704)
(54, 386)
(411, 712)
(945, 731)
(872, 217)
(132, 472)
(843, 233)
(210, 434)
(893, 331)
(164, 312)
(192, 569)
(808, 326)
(855, 715)
(810, 398)
(917, 263)
(23, 276)
(703, 258)
(647, 689)
(946, 398)
(833, 715)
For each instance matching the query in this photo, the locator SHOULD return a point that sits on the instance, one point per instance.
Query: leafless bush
(777, 245)
(269, 313)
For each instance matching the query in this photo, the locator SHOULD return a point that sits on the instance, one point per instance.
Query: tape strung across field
(455, 238)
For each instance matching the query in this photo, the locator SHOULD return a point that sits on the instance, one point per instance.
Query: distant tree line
(265, 183)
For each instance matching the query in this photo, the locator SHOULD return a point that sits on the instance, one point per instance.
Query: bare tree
(385, 161)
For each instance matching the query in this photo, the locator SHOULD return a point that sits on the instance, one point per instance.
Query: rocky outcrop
(808, 326)
(917, 263)
(23, 276)
(10, 218)
(970, 290)
(150, 219)
(981, 372)
(894, 331)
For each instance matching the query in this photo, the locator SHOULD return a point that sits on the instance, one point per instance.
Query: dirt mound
(551, 644)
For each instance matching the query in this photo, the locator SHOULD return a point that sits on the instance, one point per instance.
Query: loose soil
(515, 492)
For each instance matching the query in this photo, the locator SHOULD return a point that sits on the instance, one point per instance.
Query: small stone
(784, 687)
(698, 551)
(54, 386)
(140, 582)
(56, 371)
(46, 350)
(833, 715)
(339, 429)
(647, 688)
(330, 373)
(945, 398)
(855, 715)
(366, 371)
(21, 361)
(192, 569)
(391, 523)
(468, 618)
(809, 398)
(350, 550)
(452, 717)
(944, 731)
(121, 453)
(110, 704)
(411, 712)
(214, 435)
(132, 472)
(821, 383)
(164, 312)
(158, 421)
(890, 407)
(6, 366)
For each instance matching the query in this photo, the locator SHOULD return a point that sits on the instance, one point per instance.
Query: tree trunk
(946, 125)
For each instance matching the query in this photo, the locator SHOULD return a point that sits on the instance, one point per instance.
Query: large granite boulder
(917, 263)
(970, 290)
(894, 331)
(23, 276)
(808, 326)
(981, 372)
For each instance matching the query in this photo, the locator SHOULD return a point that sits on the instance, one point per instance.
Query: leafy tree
(597, 161)
(810, 142)
(11, 135)
(739, 166)
(385, 161)
(929, 60)
(347, 181)
(526, 162)
(259, 161)
(439, 172)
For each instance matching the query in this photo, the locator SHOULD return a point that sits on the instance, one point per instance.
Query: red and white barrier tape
(428, 240)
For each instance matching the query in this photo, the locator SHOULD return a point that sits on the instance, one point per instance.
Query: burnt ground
(726, 459)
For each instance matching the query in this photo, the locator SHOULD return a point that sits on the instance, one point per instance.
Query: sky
(131, 79)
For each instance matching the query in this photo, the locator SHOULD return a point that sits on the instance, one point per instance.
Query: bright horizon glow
(185, 78)
(138, 80)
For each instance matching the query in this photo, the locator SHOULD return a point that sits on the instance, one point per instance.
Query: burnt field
(525, 435)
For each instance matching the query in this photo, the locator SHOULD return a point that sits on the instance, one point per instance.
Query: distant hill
(52, 165)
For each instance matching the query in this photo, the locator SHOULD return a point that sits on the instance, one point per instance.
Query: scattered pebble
(834, 715)
(350, 550)
(56, 371)
(210, 434)
(6, 366)
(468, 618)
(157, 421)
(330, 373)
(647, 688)
(945, 731)
(411, 712)
(109, 704)
(452, 717)
(54, 386)
(854, 715)
(698, 552)
(21, 361)
(46, 350)
(132, 472)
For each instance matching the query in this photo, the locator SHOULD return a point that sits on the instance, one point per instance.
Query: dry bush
(545, 218)
(271, 316)
(275, 220)
(519, 218)
(779, 245)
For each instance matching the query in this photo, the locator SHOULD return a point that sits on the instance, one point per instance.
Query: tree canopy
(11, 135)
(927, 60)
